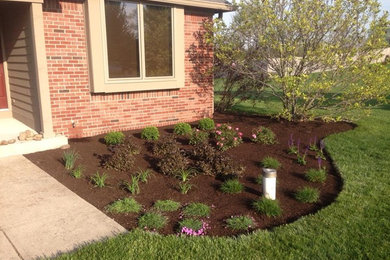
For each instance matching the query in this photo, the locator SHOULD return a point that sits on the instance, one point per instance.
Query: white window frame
(98, 56)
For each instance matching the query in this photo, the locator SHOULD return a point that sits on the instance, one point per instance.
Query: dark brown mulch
(290, 176)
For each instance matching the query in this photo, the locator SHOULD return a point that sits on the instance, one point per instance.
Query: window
(140, 46)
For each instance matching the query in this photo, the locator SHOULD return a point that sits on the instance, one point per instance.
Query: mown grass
(355, 226)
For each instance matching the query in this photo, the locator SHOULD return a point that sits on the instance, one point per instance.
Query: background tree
(311, 54)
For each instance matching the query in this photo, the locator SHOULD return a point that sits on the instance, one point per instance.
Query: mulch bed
(206, 190)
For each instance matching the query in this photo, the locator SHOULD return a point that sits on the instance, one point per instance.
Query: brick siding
(93, 114)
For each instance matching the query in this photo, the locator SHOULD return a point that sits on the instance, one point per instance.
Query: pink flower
(235, 138)
(221, 144)
(254, 136)
(240, 134)
(218, 125)
(222, 138)
(218, 132)
(237, 128)
(229, 127)
(197, 130)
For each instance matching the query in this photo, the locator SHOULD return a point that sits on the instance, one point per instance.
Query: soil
(206, 188)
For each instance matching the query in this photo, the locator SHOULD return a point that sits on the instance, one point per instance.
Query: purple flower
(319, 160)
(322, 144)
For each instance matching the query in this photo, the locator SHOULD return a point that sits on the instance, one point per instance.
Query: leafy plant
(185, 175)
(292, 148)
(206, 124)
(316, 175)
(152, 221)
(166, 145)
(227, 137)
(122, 157)
(133, 185)
(307, 195)
(113, 138)
(193, 227)
(263, 135)
(268, 207)
(301, 158)
(99, 180)
(313, 144)
(212, 162)
(185, 187)
(77, 172)
(196, 209)
(125, 205)
(240, 223)
(143, 175)
(232, 186)
(198, 137)
(69, 158)
(259, 179)
(166, 205)
(270, 162)
(320, 152)
(150, 133)
(182, 129)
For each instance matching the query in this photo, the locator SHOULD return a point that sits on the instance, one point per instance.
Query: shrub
(232, 186)
(212, 162)
(227, 137)
(193, 227)
(150, 133)
(125, 205)
(78, 172)
(171, 159)
(185, 187)
(206, 124)
(196, 210)
(133, 185)
(99, 180)
(113, 138)
(270, 162)
(185, 175)
(69, 158)
(263, 135)
(182, 129)
(307, 195)
(240, 223)
(198, 137)
(166, 145)
(316, 175)
(152, 221)
(301, 158)
(122, 157)
(143, 175)
(268, 207)
(166, 205)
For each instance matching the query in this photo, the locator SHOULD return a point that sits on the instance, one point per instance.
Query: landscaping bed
(206, 189)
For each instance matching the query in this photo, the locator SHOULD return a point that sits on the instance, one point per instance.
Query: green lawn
(355, 226)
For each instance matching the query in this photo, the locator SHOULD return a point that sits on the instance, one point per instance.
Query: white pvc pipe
(269, 183)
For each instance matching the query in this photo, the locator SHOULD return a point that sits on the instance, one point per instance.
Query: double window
(139, 46)
(139, 40)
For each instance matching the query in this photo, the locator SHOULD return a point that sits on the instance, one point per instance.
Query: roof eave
(216, 7)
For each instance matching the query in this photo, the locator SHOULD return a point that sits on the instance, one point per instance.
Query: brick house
(86, 67)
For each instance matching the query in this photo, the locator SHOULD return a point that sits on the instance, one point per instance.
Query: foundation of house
(10, 144)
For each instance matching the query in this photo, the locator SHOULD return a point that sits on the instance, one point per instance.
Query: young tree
(311, 54)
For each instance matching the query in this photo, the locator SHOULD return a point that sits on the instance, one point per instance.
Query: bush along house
(79, 68)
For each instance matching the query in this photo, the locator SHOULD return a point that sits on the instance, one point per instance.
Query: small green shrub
(307, 195)
(150, 133)
(263, 135)
(191, 223)
(270, 162)
(185, 187)
(166, 205)
(316, 175)
(77, 172)
(113, 138)
(152, 221)
(259, 179)
(268, 207)
(196, 210)
(198, 137)
(206, 124)
(122, 157)
(227, 137)
(240, 223)
(143, 175)
(125, 205)
(232, 186)
(69, 158)
(213, 162)
(133, 185)
(99, 180)
(182, 129)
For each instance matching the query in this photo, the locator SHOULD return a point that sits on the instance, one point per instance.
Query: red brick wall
(93, 114)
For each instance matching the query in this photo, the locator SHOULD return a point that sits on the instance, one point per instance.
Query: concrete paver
(41, 217)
